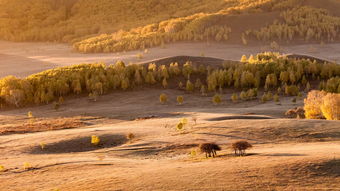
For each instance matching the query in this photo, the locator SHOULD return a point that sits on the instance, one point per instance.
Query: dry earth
(22, 59)
(288, 154)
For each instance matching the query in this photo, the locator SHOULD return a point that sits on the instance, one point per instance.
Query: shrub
(42, 146)
(2, 168)
(330, 107)
(291, 90)
(190, 86)
(203, 90)
(130, 136)
(294, 100)
(313, 103)
(180, 100)
(209, 149)
(164, 83)
(163, 98)
(56, 106)
(234, 97)
(180, 85)
(95, 140)
(240, 147)
(27, 166)
(297, 112)
(30, 114)
(217, 99)
(276, 98)
(264, 98)
(243, 96)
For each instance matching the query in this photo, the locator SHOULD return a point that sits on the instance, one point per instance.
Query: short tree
(234, 97)
(163, 98)
(203, 90)
(276, 98)
(180, 100)
(217, 99)
(190, 86)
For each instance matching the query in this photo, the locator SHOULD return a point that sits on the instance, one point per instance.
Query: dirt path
(35, 57)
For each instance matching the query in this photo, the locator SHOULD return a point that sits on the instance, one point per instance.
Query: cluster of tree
(199, 27)
(271, 71)
(320, 105)
(307, 23)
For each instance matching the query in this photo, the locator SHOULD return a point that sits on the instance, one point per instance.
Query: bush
(292, 90)
(180, 100)
(190, 86)
(217, 99)
(330, 107)
(95, 140)
(313, 103)
(163, 98)
(234, 97)
(240, 147)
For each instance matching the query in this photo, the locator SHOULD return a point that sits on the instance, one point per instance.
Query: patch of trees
(307, 23)
(270, 71)
(63, 20)
(199, 27)
(322, 105)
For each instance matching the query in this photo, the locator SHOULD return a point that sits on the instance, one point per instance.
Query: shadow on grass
(81, 144)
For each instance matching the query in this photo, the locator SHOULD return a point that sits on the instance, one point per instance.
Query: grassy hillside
(66, 20)
(112, 25)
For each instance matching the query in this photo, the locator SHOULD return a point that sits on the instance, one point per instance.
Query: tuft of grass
(27, 166)
(42, 146)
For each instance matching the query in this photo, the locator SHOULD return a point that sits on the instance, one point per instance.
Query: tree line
(270, 71)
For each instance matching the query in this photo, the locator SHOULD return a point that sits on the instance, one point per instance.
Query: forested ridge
(270, 72)
(113, 26)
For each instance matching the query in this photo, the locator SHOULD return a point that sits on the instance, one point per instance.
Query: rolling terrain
(120, 95)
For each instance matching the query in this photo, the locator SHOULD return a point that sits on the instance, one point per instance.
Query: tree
(234, 97)
(247, 79)
(276, 98)
(190, 87)
(164, 83)
(217, 99)
(16, 96)
(198, 84)
(243, 95)
(203, 90)
(180, 100)
(180, 85)
(330, 107)
(187, 69)
(163, 98)
(271, 81)
(244, 59)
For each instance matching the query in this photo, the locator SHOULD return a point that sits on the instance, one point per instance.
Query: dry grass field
(287, 154)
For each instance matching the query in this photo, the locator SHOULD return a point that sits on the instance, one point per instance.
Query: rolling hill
(113, 26)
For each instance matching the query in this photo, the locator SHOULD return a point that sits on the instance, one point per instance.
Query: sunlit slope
(113, 26)
(66, 20)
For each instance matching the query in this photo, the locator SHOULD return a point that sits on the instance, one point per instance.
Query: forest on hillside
(113, 26)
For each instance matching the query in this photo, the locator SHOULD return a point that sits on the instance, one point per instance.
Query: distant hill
(114, 25)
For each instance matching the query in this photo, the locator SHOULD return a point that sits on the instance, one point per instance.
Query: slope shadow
(81, 144)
